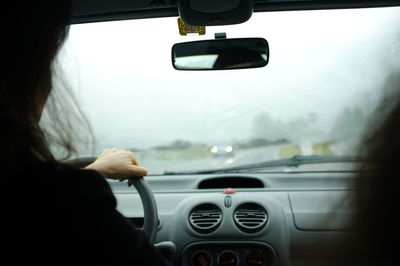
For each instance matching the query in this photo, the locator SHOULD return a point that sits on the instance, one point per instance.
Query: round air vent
(205, 218)
(250, 217)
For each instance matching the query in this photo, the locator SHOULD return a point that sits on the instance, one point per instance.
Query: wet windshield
(324, 78)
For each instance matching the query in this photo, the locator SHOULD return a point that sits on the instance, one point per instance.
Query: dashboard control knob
(255, 259)
(228, 201)
(202, 258)
(228, 259)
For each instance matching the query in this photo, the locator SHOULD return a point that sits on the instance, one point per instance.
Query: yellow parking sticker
(184, 28)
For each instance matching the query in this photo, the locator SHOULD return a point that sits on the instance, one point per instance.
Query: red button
(229, 191)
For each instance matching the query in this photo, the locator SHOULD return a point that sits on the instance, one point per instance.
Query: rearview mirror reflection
(220, 54)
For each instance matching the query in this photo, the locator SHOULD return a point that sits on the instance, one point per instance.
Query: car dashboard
(213, 220)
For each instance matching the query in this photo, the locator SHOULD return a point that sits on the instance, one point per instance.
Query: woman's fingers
(118, 164)
(138, 171)
(133, 160)
(129, 183)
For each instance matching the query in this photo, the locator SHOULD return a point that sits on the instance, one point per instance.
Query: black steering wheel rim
(150, 224)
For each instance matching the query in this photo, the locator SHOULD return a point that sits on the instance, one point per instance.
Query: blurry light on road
(229, 149)
(214, 149)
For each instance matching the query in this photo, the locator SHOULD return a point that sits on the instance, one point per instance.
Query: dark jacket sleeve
(101, 231)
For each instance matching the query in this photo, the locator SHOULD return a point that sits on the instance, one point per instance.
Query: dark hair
(32, 34)
(371, 237)
(376, 202)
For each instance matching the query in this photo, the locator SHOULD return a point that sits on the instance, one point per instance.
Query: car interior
(247, 115)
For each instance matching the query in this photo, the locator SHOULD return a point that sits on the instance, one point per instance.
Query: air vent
(250, 217)
(205, 218)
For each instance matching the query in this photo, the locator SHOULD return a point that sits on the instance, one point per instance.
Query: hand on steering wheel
(117, 164)
(120, 164)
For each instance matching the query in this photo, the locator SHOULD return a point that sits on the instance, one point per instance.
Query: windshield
(325, 76)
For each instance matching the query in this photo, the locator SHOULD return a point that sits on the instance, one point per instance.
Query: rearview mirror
(220, 54)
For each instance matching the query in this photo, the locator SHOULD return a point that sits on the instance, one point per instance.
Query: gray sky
(320, 61)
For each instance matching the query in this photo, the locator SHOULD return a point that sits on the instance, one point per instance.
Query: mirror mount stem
(220, 35)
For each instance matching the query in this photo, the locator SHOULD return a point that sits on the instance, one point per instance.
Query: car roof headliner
(107, 10)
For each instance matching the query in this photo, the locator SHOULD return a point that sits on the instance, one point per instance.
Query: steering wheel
(150, 224)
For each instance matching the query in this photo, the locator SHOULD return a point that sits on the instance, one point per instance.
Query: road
(240, 157)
